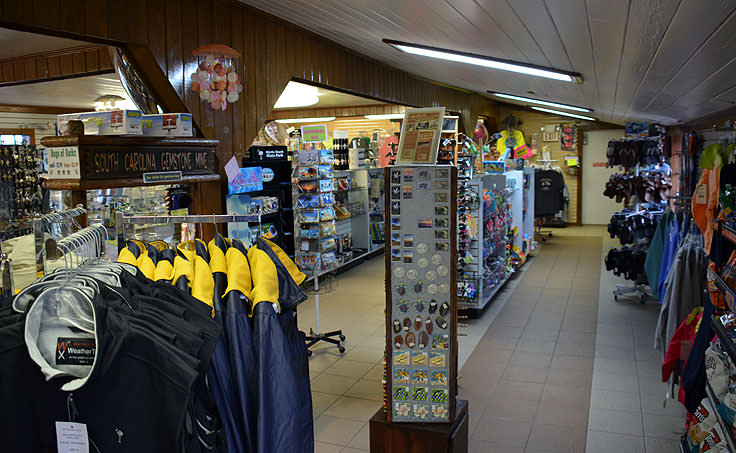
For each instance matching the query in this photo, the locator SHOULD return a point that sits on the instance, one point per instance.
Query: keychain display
(19, 181)
(421, 371)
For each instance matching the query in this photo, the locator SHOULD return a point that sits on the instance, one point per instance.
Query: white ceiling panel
(78, 92)
(659, 60)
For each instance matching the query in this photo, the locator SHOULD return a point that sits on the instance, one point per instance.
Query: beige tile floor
(538, 360)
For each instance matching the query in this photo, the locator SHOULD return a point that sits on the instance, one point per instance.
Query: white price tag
(71, 437)
(63, 162)
(701, 194)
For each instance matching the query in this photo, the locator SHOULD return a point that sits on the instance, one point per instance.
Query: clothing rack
(122, 220)
(40, 224)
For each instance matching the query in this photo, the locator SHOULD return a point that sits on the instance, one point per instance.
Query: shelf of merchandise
(375, 207)
(725, 428)
(726, 341)
(728, 294)
(484, 293)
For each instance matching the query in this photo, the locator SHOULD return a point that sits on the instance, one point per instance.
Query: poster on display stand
(421, 293)
(420, 136)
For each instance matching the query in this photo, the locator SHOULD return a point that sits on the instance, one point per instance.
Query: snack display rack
(421, 304)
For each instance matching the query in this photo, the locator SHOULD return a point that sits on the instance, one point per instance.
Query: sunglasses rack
(421, 294)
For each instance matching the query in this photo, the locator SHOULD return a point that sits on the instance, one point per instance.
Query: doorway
(597, 208)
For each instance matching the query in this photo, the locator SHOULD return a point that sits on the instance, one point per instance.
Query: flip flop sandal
(418, 323)
(441, 323)
(407, 324)
(397, 326)
(398, 341)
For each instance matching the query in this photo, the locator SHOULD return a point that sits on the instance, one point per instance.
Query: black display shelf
(726, 341)
(728, 294)
(724, 427)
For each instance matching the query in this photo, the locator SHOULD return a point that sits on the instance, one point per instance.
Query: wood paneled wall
(59, 64)
(273, 52)
(532, 122)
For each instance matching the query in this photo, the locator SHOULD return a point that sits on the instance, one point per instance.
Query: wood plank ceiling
(659, 60)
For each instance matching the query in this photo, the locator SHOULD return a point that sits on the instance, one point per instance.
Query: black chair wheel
(309, 353)
(341, 349)
(342, 337)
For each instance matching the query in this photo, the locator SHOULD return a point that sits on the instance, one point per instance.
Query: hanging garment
(685, 333)
(685, 286)
(509, 142)
(126, 339)
(653, 262)
(668, 255)
(693, 376)
(279, 423)
(705, 198)
(239, 333)
(548, 198)
(290, 295)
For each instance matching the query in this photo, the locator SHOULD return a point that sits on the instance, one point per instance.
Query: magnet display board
(421, 293)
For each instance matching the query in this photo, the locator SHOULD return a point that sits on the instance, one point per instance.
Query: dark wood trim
(45, 109)
(52, 79)
(337, 111)
(124, 140)
(56, 53)
(20, 131)
(54, 65)
(76, 184)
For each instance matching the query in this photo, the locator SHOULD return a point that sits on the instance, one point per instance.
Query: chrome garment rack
(42, 223)
(122, 220)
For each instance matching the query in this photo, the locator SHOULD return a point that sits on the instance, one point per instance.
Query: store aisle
(561, 366)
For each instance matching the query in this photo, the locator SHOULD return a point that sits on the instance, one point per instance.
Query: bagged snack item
(716, 369)
(727, 408)
(714, 442)
(704, 421)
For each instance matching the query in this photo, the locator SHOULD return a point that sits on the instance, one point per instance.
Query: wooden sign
(104, 157)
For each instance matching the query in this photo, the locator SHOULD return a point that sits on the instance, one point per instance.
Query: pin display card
(421, 276)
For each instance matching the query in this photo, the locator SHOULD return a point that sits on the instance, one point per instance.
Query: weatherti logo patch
(75, 351)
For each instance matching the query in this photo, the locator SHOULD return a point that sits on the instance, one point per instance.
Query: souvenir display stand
(106, 162)
(484, 272)
(376, 205)
(515, 184)
(527, 225)
(421, 303)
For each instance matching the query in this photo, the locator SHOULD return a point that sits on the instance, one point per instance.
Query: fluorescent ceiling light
(557, 112)
(386, 116)
(297, 95)
(323, 119)
(540, 102)
(488, 62)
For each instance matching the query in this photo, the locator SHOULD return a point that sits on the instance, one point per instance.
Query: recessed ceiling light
(323, 119)
(557, 112)
(541, 102)
(386, 116)
(297, 95)
(488, 62)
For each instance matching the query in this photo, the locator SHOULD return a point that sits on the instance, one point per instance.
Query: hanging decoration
(216, 79)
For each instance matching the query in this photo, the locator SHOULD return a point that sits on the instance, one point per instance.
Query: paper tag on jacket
(701, 194)
(71, 437)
